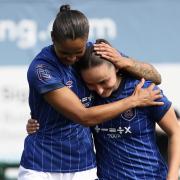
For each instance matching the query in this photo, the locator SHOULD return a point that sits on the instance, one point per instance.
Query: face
(70, 51)
(102, 79)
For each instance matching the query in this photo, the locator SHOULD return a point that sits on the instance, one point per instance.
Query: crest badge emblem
(129, 114)
(43, 72)
(69, 84)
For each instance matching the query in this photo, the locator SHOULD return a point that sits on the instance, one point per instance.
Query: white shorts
(28, 174)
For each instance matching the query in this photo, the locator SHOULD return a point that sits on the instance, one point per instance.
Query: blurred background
(147, 30)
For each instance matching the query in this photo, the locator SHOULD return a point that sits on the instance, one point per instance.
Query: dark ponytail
(69, 24)
(65, 8)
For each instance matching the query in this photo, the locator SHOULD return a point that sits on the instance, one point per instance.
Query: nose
(99, 89)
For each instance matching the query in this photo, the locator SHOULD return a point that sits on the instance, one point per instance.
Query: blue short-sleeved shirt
(126, 146)
(60, 145)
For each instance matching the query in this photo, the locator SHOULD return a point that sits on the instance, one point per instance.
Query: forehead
(98, 73)
(72, 46)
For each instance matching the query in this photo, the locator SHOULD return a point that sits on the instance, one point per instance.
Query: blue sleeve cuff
(50, 87)
(163, 112)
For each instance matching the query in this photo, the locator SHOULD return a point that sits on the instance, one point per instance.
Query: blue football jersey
(60, 145)
(126, 146)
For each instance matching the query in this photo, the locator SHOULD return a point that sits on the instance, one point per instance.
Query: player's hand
(147, 96)
(111, 54)
(32, 126)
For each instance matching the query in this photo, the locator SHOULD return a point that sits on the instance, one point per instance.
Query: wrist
(133, 101)
(127, 63)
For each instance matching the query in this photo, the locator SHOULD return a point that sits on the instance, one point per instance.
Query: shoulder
(130, 82)
(46, 58)
(44, 65)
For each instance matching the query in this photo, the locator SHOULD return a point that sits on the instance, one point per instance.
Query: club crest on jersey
(43, 72)
(129, 114)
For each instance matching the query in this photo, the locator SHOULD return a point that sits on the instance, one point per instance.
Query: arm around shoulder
(68, 104)
(140, 69)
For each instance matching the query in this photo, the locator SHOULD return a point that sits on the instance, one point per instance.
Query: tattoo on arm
(144, 70)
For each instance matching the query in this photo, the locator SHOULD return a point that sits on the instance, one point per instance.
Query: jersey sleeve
(44, 77)
(157, 112)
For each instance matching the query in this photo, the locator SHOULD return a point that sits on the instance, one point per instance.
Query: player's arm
(170, 125)
(130, 65)
(68, 104)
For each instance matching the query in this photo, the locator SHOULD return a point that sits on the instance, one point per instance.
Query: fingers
(156, 92)
(157, 103)
(139, 86)
(147, 96)
(31, 130)
(102, 46)
(109, 53)
(141, 83)
(99, 48)
(151, 86)
(105, 53)
(32, 121)
(157, 97)
(105, 49)
(32, 126)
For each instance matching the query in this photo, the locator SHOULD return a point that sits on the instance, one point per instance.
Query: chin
(105, 95)
(68, 63)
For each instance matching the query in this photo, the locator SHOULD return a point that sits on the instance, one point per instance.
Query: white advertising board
(170, 82)
(14, 109)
